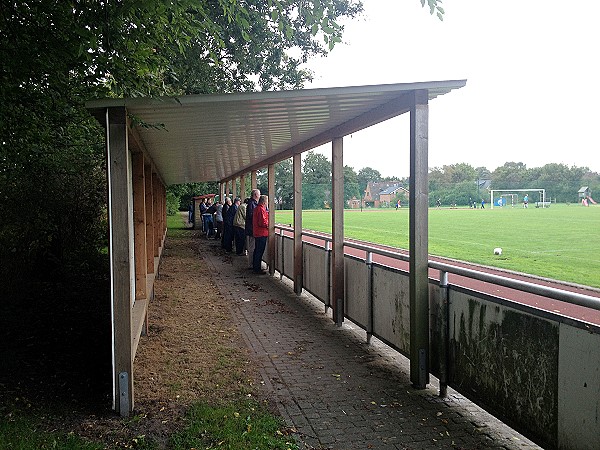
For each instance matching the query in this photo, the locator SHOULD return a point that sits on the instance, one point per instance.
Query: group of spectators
(243, 225)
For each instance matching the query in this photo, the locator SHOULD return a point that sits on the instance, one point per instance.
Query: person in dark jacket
(228, 225)
(226, 206)
(254, 196)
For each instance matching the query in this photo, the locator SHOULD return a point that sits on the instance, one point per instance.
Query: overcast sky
(532, 71)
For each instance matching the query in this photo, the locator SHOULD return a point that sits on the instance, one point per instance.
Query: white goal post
(541, 192)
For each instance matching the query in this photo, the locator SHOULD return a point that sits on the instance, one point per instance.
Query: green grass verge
(22, 433)
(561, 242)
(243, 425)
(240, 425)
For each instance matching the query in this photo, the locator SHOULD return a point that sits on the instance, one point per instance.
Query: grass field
(561, 242)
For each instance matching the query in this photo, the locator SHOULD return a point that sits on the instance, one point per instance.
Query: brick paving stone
(337, 391)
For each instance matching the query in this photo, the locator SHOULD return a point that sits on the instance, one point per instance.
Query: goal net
(496, 196)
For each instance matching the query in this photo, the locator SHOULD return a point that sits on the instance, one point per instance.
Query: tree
(366, 175)
(351, 185)
(511, 175)
(56, 55)
(284, 184)
(182, 194)
(316, 181)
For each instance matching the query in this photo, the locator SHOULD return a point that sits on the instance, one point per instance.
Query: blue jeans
(260, 243)
(207, 222)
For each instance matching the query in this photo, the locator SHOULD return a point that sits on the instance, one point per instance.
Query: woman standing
(260, 229)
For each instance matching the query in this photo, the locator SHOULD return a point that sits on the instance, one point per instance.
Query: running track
(588, 315)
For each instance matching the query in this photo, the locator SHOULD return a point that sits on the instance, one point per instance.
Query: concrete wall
(507, 361)
(578, 387)
(356, 301)
(316, 271)
(391, 307)
(535, 370)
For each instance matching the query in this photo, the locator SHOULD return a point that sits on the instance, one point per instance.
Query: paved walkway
(337, 391)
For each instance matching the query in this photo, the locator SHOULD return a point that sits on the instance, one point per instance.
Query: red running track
(582, 313)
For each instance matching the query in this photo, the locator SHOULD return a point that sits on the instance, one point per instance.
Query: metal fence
(536, 370)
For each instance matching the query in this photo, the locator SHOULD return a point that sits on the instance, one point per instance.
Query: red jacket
(260, 221)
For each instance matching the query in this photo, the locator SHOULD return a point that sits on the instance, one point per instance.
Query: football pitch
(561, 242)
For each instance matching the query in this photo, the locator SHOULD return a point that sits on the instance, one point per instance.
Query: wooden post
(120, 218)
(156, 218)
(253, 179)
(139, 226)
(418, 245)
(271, 240)
(234, 188)
(298, 257)
(337, 227)
(149, 214)
(243, 187)
(163, 189)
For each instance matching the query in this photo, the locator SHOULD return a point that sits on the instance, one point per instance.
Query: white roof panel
(213, 137)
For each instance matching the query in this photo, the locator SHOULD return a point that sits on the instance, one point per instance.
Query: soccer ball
(497, 251)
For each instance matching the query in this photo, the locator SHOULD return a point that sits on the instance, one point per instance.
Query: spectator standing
(226, 206)
(260, 230)
(202, 207)
(207, 218)
(239, 228)
(228, 225)
(254, 196)
(219, 220)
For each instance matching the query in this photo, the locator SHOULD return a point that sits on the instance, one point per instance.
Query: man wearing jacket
(239, 228)
(254, 196)
(260, 229)
(228, 225)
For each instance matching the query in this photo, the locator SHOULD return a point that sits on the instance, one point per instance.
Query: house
(354, 203)
(383, 193)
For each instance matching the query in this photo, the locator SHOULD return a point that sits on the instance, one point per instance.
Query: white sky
(532, 75)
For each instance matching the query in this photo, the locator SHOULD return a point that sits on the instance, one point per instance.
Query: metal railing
(574, 298)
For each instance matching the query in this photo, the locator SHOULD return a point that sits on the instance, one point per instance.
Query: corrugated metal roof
(213, 137)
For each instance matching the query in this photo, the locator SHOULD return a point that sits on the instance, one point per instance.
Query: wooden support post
(234, 188)
(253, 179)
(271, 240)
(221, 191)
(139, 226)
(164, 212)
(227, 191)
(418, 245)
(243, 187)
(149, 215)
(156, 218)
(298, 257)
(120, 219)
(337, 227)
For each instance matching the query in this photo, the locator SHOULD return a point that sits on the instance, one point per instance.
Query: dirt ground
(193, 351)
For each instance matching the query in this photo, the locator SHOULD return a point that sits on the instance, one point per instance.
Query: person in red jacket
(260, 230)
